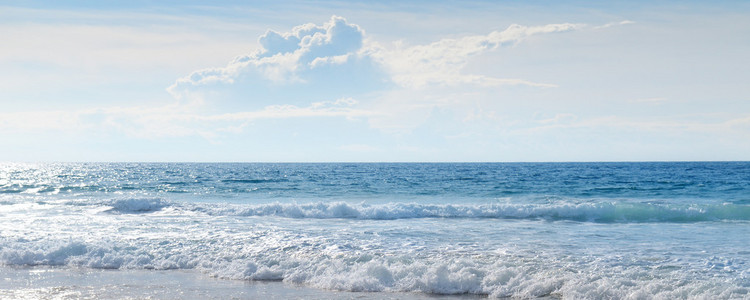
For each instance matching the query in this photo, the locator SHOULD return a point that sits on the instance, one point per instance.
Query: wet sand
(81, 283)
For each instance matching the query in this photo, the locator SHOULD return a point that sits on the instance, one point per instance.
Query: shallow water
(573, 230)
(80, 283)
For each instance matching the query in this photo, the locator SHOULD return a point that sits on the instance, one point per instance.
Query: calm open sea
(558, 230)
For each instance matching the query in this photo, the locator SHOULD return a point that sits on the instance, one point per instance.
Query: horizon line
(372, 162)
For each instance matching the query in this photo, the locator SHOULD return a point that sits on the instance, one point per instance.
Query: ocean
(652, 230)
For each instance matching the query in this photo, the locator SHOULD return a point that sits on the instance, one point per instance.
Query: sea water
(391, 230)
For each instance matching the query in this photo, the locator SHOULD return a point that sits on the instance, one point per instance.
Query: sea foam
(136, 205)
(499, 276)
(605, 212)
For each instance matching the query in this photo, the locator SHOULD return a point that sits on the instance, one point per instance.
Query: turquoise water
(561, 230)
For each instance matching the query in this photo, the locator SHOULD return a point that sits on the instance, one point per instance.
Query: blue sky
(361, 81)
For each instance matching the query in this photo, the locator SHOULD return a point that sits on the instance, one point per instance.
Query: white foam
(397, 248)
(592, 212)
(136, 205)
(54, 254)
(494, 276)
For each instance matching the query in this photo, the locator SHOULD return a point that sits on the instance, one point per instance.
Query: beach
(78, 283)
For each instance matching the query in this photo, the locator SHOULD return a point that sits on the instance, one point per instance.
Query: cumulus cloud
(336, 37)
(285, 57)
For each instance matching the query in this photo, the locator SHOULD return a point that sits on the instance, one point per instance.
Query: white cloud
(441, 62)
(625, 22)
(332, 60)
(285, 55)
(334, 53)
(293, 57)
(337, 60)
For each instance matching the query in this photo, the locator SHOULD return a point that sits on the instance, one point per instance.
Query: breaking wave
(501, 277)
(136, 205)
(604, 212)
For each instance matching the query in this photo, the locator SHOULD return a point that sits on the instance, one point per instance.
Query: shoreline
(46, 282)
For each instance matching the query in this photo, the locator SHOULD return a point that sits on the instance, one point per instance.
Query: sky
(390, 81)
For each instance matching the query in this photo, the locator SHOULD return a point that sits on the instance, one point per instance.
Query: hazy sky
(365, 81)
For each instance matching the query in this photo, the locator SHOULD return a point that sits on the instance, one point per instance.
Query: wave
(136, 205)
(597, 212)
(605, 212)
(500, 277)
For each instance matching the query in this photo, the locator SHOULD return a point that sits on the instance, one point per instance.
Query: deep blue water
(711, 181)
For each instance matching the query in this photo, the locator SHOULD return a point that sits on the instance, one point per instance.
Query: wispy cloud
(625, 22)
(441, 62)
(337, 108)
